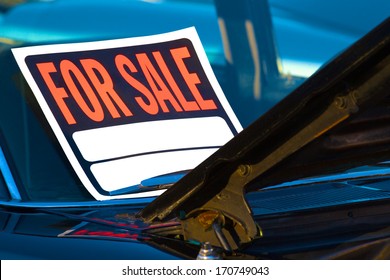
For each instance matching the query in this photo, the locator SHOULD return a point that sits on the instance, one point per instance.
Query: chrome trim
(357, 175)
(8, 178)
(76, 204)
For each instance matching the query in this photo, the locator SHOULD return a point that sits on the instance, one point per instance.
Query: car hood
(84, 233)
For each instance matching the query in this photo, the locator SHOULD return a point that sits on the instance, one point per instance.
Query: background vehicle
(306, 35)
(42, 198)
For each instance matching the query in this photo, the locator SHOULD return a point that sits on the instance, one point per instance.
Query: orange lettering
(191, 79)
(67, 67)
(151, 106)
(105, 88)
(163, 94)
(58, 93)
(187, 105)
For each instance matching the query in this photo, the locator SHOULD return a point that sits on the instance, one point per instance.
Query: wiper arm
(275, 148)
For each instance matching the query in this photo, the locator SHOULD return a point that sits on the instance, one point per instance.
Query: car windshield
(304, 38)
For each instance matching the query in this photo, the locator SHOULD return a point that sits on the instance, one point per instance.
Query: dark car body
(307, 180)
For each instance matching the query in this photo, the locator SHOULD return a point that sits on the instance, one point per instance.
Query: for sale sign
(130, 109)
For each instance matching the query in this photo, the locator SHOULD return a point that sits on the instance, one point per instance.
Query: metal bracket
(221, 217)
(226, 219)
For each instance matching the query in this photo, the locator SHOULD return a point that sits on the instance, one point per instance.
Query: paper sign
(130, 109)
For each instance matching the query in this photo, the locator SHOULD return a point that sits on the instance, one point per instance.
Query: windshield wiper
(161, 182)
(295, 139)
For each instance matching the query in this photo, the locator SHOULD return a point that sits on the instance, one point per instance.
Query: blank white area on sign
(137, 138)
(121, 173)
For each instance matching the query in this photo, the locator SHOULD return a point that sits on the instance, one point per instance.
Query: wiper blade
(151, 184)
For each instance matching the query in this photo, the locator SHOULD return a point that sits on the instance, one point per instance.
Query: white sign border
(190, 33)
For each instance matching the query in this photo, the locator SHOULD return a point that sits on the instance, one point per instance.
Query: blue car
(306, 178)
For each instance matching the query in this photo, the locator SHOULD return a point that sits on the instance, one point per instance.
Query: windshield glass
(28, 143)
(304, 38)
